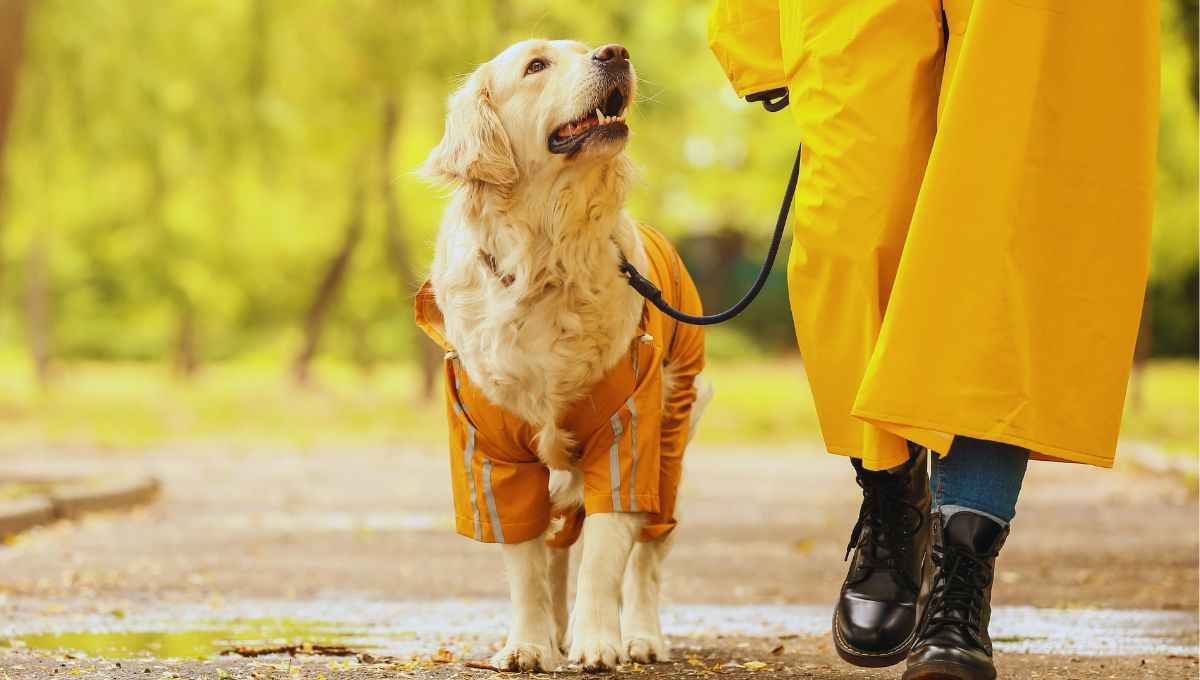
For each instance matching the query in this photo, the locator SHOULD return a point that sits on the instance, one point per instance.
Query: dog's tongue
(577, 128)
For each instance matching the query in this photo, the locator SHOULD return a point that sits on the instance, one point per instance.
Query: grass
(240, 405)
(758, 401)
(253, 404)
(1163, 408)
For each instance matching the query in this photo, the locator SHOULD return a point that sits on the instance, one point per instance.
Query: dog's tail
(566, 489)
(704, 395)
(554, 446)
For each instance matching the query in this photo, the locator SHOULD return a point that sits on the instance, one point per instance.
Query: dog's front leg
(532, 640)
(596, 622)
(640, 626)
(560, 568)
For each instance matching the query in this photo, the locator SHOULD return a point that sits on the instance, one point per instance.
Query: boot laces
(885, 520)
(957, 598)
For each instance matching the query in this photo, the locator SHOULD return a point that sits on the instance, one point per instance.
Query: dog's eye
(536, 65)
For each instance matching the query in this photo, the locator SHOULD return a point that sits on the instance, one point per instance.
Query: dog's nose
(613, 53)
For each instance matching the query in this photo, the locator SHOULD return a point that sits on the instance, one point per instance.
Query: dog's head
(540, 106)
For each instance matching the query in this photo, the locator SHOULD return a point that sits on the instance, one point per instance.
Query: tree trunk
(364, 356)
(331, 283)
(12, 35)
(12, 40)
(427, 354)
(257, 83)
(187, 360)
(1189, 21)
(37, 306)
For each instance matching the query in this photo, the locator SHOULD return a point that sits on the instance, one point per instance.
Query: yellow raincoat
(973, 216)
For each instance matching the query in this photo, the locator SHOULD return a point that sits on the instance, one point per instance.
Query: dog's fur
(526, 277)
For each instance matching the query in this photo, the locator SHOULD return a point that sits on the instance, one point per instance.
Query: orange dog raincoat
(631, 441)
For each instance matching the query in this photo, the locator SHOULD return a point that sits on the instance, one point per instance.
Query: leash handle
(772, 100)
(648, 290)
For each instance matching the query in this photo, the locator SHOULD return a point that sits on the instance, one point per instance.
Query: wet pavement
(407, 629)
(357, 548)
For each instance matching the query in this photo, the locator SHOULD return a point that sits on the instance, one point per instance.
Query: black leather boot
(875, 621)
(953, 642)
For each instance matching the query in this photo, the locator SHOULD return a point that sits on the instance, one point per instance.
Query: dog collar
(490, 262)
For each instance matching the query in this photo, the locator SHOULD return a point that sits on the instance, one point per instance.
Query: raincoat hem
(514, 532)
(873, 464)
(1038, 450)
(603, 502)
(848, 451)
(653, 532)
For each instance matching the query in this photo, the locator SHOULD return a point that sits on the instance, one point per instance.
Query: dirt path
(357, 548)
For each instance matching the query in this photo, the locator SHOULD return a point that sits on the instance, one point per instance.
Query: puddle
(202, 643)
(470, 626)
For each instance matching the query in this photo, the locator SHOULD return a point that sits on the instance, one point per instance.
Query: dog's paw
(596, 655)
(646, 649)
(526, 656)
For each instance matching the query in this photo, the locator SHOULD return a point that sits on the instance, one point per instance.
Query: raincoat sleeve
(744, 36)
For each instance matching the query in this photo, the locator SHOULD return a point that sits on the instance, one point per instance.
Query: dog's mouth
(604, 122)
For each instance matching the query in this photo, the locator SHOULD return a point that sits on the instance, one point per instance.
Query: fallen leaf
(754, 665)
(777, 651)
(442, 656)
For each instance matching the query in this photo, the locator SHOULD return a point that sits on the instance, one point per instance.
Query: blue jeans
(981, 475)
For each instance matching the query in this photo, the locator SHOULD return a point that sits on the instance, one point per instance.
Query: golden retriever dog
(536, 317)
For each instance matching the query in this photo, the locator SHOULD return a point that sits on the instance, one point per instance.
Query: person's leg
(974, 493)
(875, 619)
(979, 475)
(864, 82)
(863, 91)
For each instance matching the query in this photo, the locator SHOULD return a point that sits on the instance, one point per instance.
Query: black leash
(774, 100)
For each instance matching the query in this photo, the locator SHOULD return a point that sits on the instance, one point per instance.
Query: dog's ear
(474, 145)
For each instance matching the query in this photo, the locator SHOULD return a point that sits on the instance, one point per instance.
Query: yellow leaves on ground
(442, 656)
(748, 665)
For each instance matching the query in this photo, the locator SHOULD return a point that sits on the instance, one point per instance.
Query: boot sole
(938, 670)
(863, 659)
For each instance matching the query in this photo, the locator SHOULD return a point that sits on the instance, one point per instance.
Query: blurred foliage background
(209, 226)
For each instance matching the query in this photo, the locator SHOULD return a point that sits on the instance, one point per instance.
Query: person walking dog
(971, 244)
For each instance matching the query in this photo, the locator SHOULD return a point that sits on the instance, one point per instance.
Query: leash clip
(644, 286)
